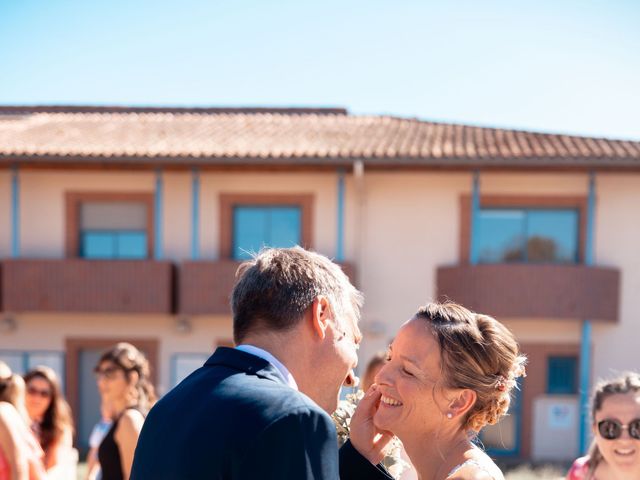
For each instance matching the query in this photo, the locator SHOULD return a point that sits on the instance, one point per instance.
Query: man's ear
(462, 403)
(320, 315)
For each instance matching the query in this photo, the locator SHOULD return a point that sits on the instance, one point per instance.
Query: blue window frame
(562, 375)
(114, 230)
(255, 227)
(99, 244)
(532, 235)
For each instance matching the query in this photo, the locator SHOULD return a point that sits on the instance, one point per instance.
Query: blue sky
(559, 66)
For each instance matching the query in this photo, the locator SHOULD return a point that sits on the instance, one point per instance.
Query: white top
(259, 352)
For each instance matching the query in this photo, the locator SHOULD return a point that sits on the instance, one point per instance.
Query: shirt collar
(259, 352)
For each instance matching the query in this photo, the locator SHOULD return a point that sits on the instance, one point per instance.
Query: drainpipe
(340, 217)
(158, 216)
(585, 341)
(475, 212)
(195, 214)
(15, 213)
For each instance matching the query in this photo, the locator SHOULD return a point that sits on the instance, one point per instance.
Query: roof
(304, 137)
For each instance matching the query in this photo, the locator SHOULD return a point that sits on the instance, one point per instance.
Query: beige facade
(400, 227)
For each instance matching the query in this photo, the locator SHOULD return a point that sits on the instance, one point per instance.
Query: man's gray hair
(275, 288)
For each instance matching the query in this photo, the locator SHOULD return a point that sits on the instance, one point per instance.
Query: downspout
(158, 216)
(585, 341)
(195, 214)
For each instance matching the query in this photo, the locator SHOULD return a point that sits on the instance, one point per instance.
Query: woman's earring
(449, 415)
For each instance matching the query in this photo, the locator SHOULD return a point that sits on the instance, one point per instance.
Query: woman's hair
(57, 418)
(130, 359)
(477, 353)
(12, 389)
(626, 383)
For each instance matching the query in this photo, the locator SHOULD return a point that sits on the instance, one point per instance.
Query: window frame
(228, 201)
(575, 359)
(74, 201)
(549, 202)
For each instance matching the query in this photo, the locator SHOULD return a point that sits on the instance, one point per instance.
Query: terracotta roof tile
(285, 136)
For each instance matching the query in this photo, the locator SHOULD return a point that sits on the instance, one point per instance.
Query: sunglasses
(612, 429)
(107, 373)
(36, 392)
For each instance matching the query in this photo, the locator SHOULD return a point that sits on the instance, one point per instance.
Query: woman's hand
(365, 437)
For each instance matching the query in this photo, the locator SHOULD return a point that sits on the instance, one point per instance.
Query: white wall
(617, 244)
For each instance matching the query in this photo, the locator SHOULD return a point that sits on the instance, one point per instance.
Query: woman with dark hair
(122, 374)
(615, 451)
(20, 454)
(50, 416)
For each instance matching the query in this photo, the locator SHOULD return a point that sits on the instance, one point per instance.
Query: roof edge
(26, 109)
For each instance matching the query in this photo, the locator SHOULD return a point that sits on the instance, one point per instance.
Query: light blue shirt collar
(259, 352)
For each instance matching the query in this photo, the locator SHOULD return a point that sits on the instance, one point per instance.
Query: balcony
(75, 285)
(534, 291)
(205, 286)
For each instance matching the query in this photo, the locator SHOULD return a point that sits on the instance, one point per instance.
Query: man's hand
(365, 437)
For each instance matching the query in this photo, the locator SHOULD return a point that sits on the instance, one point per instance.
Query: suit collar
(245, 362)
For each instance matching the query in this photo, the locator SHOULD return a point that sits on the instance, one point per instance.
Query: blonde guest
(20, 454)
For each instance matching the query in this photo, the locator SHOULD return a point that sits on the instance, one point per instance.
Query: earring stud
(449, 415)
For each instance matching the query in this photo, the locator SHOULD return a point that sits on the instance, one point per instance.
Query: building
(128, 223)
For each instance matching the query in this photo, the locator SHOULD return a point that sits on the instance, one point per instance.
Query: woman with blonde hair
(449, 373)
(50, 416)
(615, 451)
(20, 454)
(123, 380)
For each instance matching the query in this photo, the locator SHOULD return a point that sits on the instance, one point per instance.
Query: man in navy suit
(260, 410)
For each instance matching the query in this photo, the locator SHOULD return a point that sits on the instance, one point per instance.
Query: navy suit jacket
(236, 418)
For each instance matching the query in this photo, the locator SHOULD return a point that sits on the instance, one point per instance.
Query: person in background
(615, 451)
(50, 416)
(374, 365)
(20, 454)
(95, 439)
(123, 380)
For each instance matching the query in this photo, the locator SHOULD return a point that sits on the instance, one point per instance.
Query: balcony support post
(340, 218)
(585, 341)
(195, 214)
(475, 212)
(15, 213)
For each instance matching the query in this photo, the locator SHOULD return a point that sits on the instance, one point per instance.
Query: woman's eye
(407, 372)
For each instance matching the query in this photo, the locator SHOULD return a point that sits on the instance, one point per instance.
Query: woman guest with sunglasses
(122, 374)
(20, 454)
(51, 418)
(615, 451)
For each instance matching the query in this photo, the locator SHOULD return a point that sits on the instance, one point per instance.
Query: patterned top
(580, 470)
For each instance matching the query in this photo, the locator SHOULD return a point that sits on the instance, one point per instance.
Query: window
(250, 222)
(109, 225)
(562, 375)
(533, 235)
(20, 362)
(258, 226)
(112, 230)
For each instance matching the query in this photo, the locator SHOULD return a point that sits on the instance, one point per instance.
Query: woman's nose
(383, 377)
